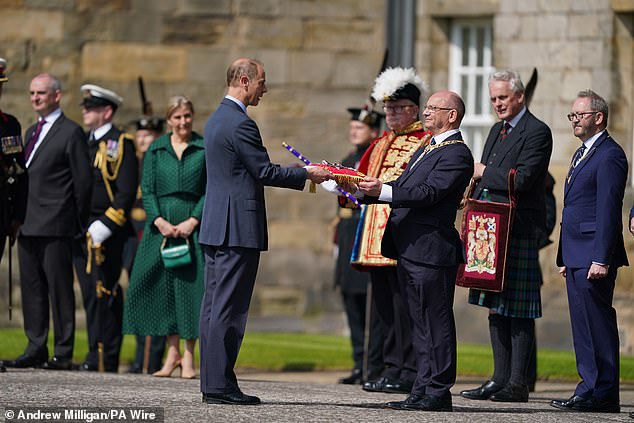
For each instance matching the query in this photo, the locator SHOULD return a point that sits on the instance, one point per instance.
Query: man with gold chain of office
(98, 259)
(386, 158)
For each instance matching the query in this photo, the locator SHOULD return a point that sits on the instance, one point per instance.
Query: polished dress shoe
(24, 361)
(234, 398)
(511, 393)
(58, 363)
(482, 392)
(136, 369)
(597, 405)
(423, 403)
(390, 386)
(355, 378)
(398, 405)
(87, 367)
(567, 404)
(92, 367)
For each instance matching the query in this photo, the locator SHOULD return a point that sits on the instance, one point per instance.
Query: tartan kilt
(521, 296)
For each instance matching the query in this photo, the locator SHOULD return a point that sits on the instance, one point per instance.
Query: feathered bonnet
(398, 83)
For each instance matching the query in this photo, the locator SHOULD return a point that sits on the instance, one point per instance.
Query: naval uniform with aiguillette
(99, 267)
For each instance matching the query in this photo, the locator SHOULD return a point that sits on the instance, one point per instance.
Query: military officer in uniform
(98, 260)
(366, 341)
(13, 182)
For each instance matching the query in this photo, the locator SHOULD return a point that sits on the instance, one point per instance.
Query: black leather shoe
(423, 403)
(355, 378)
(235, 398)
(511, 393)
(135, 368)
(58, 363)
(87, 367)
(24, 361)
(566, 404)
(398, 405)
(482, 392)
(390, 386)
(597, 405)
(631, 415)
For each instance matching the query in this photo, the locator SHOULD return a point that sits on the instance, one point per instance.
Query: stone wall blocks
(343, 34)
(125, 61)
(18, 24)
(260, 32)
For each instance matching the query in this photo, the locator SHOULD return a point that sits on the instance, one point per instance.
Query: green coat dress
(162, 301)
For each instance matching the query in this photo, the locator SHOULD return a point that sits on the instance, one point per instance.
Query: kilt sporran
(485, 231)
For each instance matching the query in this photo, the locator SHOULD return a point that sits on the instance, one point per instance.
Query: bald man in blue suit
(233, 230)
(591, 249)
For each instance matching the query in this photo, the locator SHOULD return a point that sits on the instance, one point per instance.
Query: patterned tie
(576, 158)
(33, 139)
(504, 132)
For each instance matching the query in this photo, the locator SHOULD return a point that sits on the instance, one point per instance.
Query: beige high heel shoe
(168, 372)
(185, 374)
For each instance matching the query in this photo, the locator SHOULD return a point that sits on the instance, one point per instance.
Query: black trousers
(355, 305)
(104, 317)
(429, 293)
(46, 283)
(398, 354)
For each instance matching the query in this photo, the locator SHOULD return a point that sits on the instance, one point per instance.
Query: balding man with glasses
(387, 157)
(591, 249)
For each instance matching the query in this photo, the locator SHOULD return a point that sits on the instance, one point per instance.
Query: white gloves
(99, 232)
(330, 186)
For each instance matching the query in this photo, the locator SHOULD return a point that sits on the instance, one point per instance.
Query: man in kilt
(518, 141)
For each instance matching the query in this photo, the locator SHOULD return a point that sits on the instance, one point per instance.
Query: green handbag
(176, 255)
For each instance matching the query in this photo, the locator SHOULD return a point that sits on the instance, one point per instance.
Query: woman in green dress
(166, 301)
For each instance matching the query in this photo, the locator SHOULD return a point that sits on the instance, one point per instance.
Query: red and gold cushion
(341, 173)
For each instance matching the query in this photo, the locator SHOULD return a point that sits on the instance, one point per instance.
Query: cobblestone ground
(286, 397)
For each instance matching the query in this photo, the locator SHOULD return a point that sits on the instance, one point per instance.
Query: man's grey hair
(597, 103)
(509, 76)
(54, 83)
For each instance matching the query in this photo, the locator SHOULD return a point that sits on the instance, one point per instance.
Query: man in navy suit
(591, 249)
(420, 234)
(233, 229)
(60, 183)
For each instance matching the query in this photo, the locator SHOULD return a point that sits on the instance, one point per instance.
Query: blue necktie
(576, 158)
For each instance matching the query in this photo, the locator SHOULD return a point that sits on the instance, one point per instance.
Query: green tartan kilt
(521, 296)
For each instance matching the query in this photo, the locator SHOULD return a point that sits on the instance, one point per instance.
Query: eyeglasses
(578, 115)
(434, 109)
(396, 109)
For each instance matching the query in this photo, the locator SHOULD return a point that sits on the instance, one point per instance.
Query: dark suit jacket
(527, 148)
(238, 168)
(591, 222)
(60, 182)
(424, 204)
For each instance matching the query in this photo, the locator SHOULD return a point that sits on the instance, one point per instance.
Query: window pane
(466, 37)
(478, 99)
(480, 45)
(464, 88)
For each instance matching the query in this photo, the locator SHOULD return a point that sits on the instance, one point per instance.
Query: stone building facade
(321, 57)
